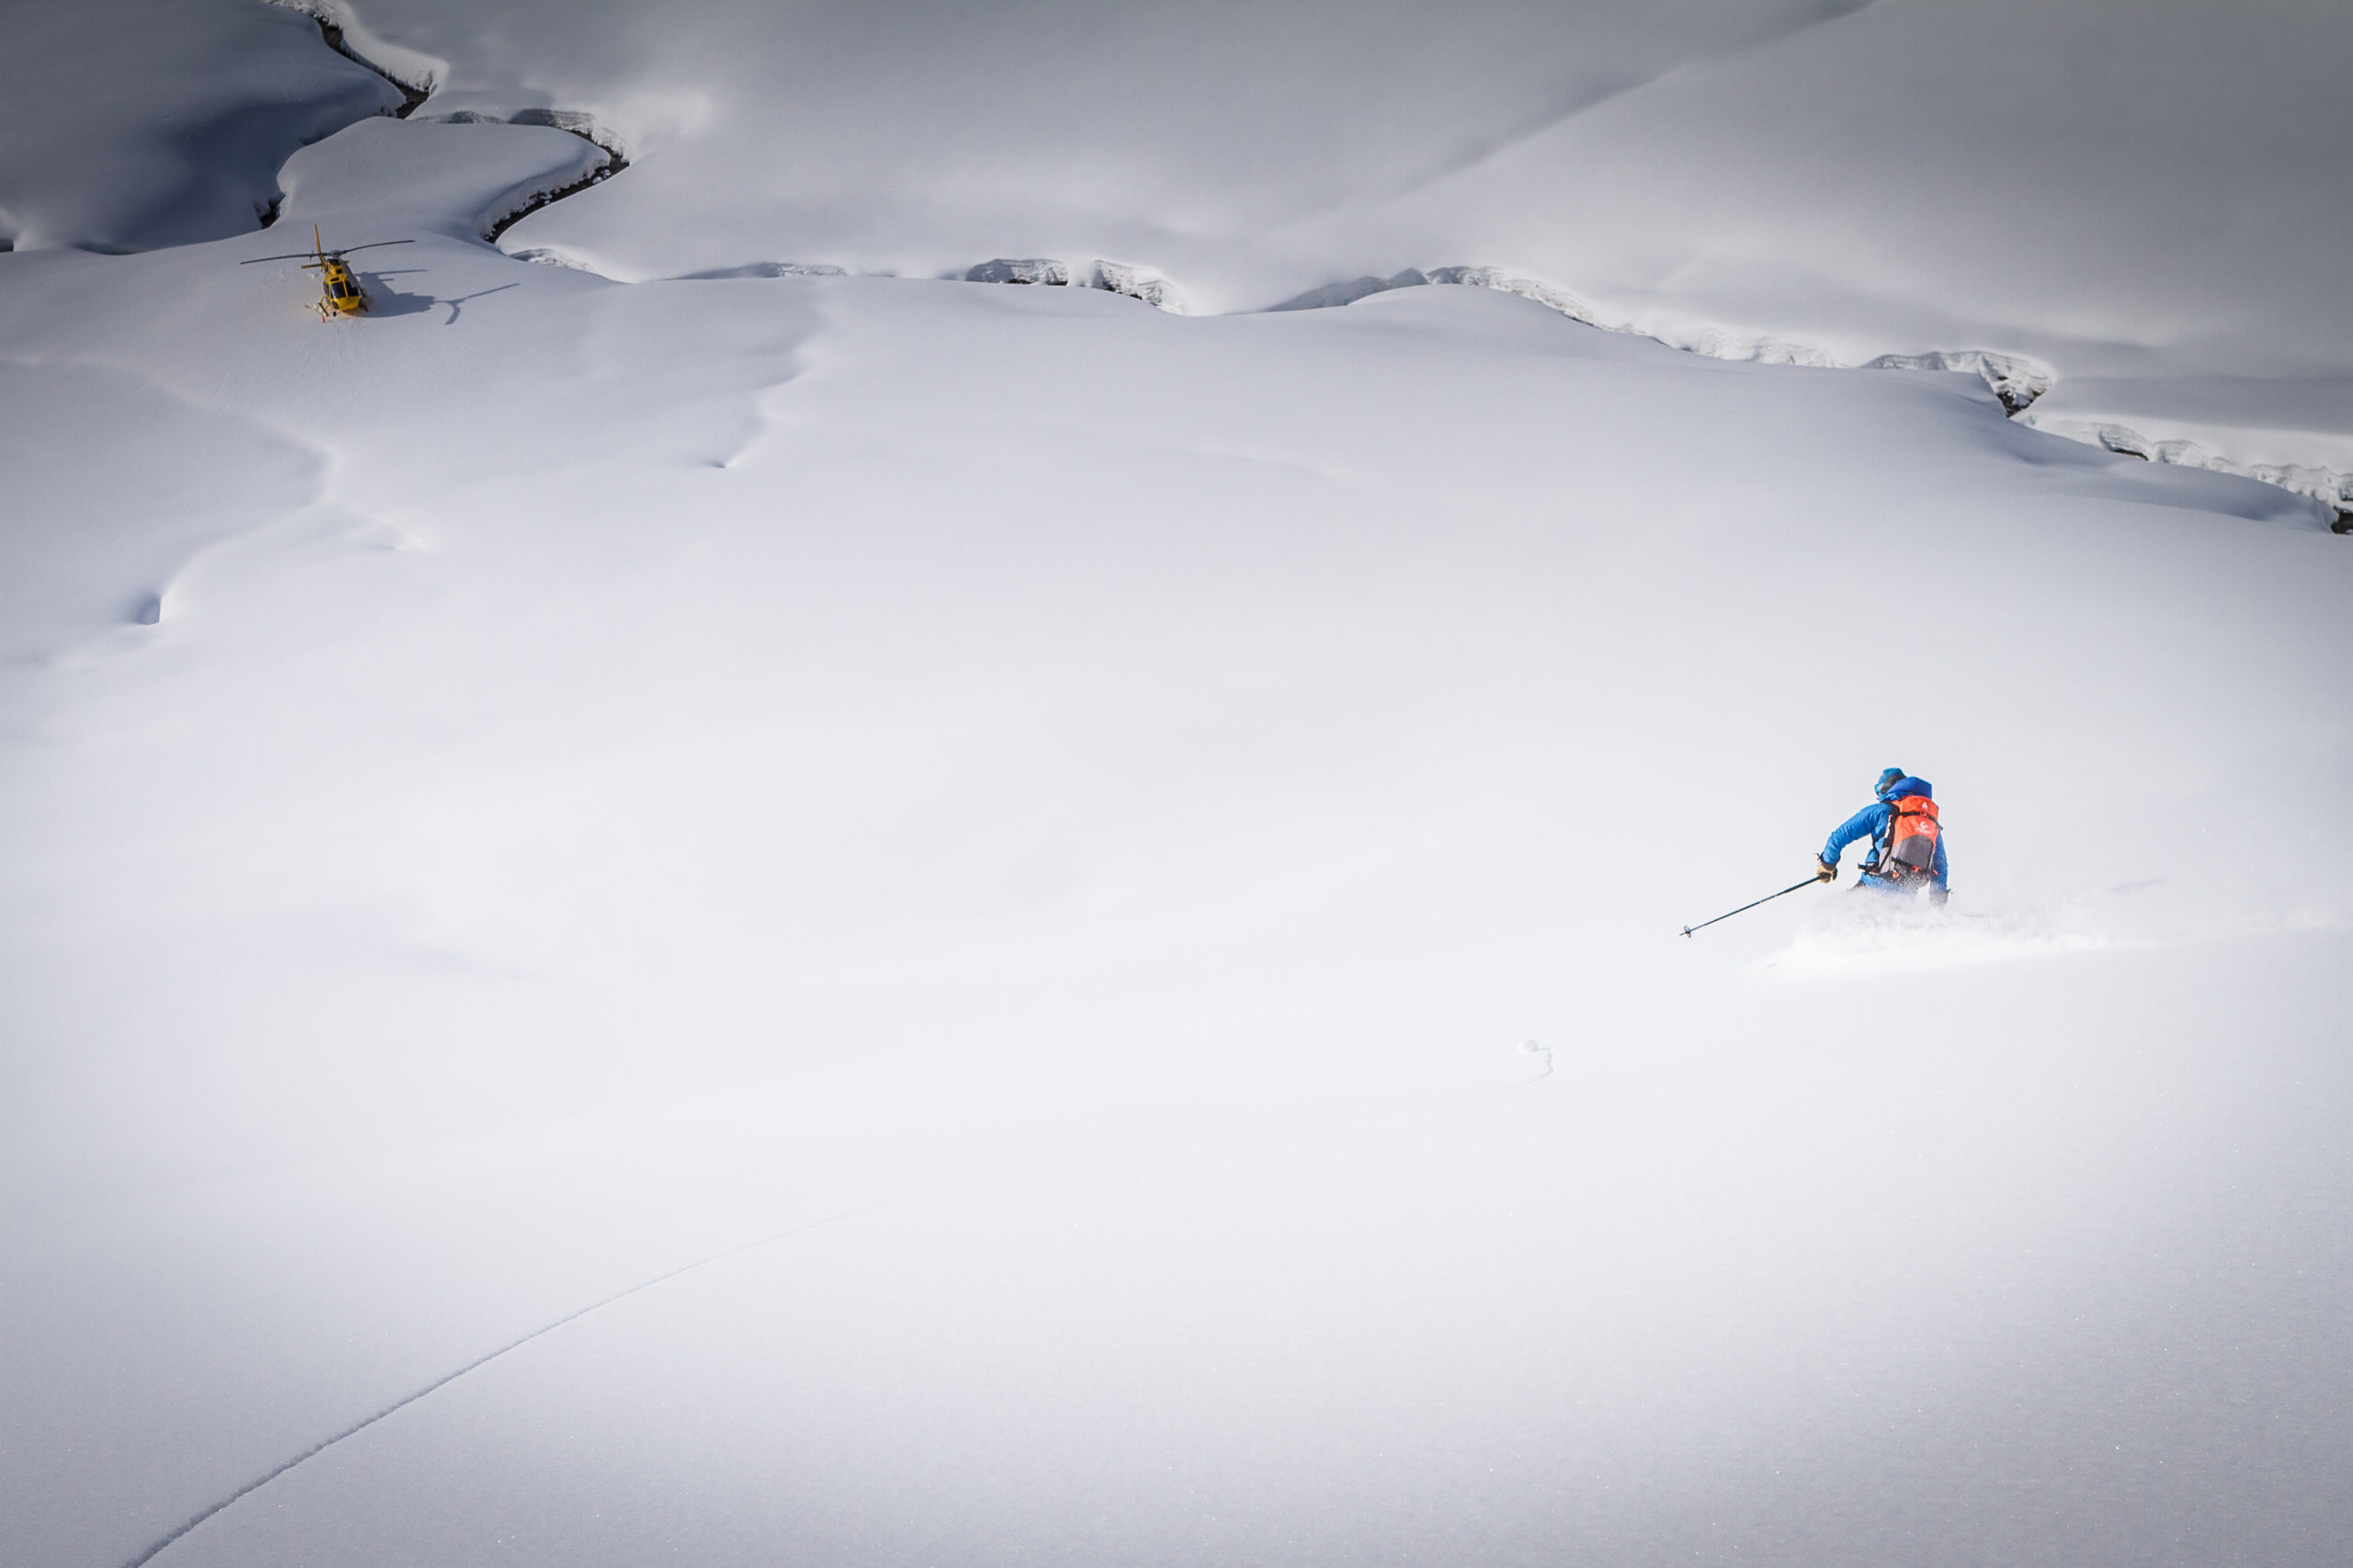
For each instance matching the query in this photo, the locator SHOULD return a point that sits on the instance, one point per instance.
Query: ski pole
(1746, 907)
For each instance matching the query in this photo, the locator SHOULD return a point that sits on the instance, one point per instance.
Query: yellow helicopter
(339, 290)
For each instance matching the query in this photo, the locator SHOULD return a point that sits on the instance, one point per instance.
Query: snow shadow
(385, 300)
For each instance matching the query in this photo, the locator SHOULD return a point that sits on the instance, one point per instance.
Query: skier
(1908, 842)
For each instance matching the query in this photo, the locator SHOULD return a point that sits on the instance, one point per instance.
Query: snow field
(1089, 803)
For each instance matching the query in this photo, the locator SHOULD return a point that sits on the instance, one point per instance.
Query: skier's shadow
(384, 299)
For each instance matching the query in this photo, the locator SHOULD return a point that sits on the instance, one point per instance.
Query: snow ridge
(572, 121)
(418, 76)
(2019, 381)
(2330, 487)
(541, 197)
(749, 269)
(1113, 277)
(2015, 378)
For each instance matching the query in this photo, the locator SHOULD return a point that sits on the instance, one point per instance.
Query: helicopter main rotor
(315, 256)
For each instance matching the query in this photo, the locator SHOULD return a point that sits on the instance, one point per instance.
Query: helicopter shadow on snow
(384, 299)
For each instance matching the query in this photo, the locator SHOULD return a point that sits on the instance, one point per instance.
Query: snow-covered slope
(924, 921)
(125, 124)
(2152, 199)
(2147, 199)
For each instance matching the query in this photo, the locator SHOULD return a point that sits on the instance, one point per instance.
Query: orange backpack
(1912, 830)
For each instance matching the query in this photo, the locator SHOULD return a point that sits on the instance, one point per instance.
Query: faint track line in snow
(198, 1520)
(316, 1450)
(1534, 127)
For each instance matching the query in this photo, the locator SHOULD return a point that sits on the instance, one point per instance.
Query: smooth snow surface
(994, 926)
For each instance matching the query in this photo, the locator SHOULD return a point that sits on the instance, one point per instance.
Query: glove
(1824, 871)
(1938, 896)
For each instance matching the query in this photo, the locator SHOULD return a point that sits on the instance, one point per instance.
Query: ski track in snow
(198, 1520)
(1541, 125)
(249, 1488)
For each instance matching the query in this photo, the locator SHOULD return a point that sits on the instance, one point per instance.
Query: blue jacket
(1872, 822)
